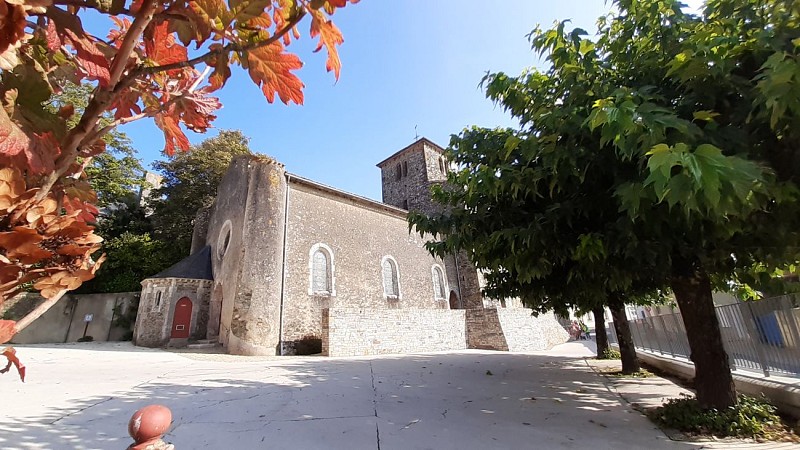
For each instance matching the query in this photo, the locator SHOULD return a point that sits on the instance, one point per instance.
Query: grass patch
(750, 418)
(609, 353)
(641, 373)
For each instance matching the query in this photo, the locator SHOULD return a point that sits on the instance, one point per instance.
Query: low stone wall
(355, 331)
(525, 333)
(512, 329)
(65, 321)
(484, 331)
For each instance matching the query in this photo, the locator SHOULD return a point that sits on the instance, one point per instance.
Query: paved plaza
(80, 396)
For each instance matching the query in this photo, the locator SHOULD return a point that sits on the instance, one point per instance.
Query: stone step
(204, 343)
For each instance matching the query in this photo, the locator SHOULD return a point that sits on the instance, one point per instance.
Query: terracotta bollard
(146, 427)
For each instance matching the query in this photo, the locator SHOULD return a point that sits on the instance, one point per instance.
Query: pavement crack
(81, 410)
(375, 405)
(444, 414)
(229, 400)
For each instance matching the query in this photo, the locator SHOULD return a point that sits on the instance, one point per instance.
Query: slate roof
(195, 266)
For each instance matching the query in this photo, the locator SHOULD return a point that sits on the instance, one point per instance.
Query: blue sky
(405, 64)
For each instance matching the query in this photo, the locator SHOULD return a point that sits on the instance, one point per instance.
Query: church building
(284, 265)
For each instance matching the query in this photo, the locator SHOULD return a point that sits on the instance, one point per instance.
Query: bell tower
(407, 177)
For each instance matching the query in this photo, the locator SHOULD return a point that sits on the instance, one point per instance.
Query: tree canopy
(662, 153)
(190, 183)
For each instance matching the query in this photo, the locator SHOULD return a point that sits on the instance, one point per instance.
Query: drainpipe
(283, 268)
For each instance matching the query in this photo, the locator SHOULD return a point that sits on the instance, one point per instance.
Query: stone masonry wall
(356, 331)
(358, 235)
(411, 190)
(245, 232)
(484, 331)
(154, 323)
(512, 329)
(227, 218)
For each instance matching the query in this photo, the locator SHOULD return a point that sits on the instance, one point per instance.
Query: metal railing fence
(762, 335)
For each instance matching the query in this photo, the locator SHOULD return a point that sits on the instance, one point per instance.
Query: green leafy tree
(115, 175)
(190, 183)
(661, 154)
(130, 258)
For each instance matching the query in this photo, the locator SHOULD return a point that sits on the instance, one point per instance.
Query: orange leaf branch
(100, 100)
(231, 47)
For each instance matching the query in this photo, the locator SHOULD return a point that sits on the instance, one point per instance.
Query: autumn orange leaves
(46, 241)
(148, 65)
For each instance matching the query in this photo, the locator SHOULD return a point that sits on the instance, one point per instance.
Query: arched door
(182, 318)
(453, 300)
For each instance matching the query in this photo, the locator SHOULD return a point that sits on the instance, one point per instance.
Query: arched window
(391, 278)
(321, 280)
(320, 269)
(399, 171)
(157, 301)
(441, 164)
(438, 283)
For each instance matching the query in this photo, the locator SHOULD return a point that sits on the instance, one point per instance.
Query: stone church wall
(359, 233)
(154, 321)
(357, 331)
(245, 232)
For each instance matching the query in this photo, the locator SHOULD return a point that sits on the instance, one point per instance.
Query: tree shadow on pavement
(474, 399)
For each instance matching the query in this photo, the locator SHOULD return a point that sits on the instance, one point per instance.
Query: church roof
(195, 266)
(422, 139)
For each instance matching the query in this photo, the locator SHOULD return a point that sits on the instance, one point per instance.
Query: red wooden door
(182, 318)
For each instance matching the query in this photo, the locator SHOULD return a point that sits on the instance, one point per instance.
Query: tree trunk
(712, 380)
(601, 338)
(630, 364)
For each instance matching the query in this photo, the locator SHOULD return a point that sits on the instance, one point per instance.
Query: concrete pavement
(81, 396)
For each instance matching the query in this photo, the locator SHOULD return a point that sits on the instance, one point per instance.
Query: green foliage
(610, 353)
(663, 152)
(120, 218)
(190, 183)
(749, 418)
(127, 318)
(115, 175)
(131, 258)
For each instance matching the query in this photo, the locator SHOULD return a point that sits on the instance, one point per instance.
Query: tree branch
(93, 4)
(232, 47)
(38, 311)
(101, 98)
(133, 75)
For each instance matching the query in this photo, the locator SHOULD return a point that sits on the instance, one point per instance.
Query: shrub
(609, 353)
(750, 417)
